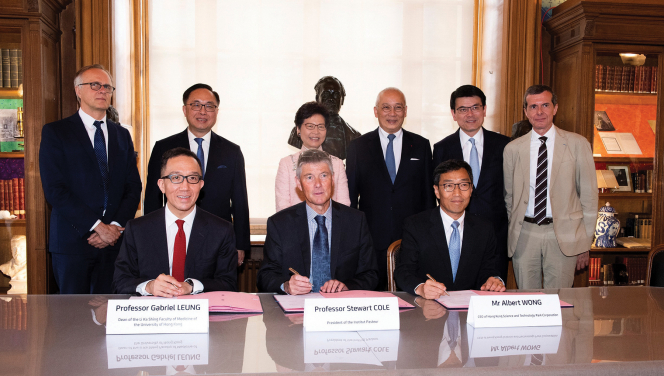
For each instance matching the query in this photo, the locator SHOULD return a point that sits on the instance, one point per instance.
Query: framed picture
(623, 177)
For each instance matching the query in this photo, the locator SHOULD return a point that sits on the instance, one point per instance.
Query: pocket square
(414, 159)
(222, 166)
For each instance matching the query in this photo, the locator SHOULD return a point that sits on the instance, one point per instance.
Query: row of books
(642, 181)
(13, 314)
(639, 226)
(12, 197)
(11, 69)
(626, 79)
(603, 275)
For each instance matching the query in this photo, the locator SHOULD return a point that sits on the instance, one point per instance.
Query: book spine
(632, 71)
(21, 197)
(655, 72)
(10, 189)
(624, 80)
(20, 67)
(598, 69)
(648, 80)
(609, 78)
(6, 81)
(5, 195)
(15, 198)
(13, 67)
(617, 78)
(3, 202)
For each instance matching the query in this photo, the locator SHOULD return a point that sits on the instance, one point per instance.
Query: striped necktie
(541, 183)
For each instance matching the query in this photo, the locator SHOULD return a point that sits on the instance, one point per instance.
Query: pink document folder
(460, 300)
(230, 302)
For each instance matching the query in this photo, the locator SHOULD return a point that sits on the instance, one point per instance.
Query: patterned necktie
(179, 252)
(200, 154)
(474, 163)
(100, 152)
(320, 256)
(389, 158)
(455, 249)
(541, 183)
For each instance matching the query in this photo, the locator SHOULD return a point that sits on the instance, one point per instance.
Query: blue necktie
(455, 249)
(200, 154)
(474, 163)
(100, 152)
(320, 256)
(389, 158)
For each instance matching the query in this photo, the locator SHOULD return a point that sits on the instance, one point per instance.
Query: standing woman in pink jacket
(311, 123)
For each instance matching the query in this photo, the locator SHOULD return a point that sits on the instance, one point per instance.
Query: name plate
(149, 350)
(372, 347)
(490, 342)
(351, 314)
(152, 316)
(502, 311)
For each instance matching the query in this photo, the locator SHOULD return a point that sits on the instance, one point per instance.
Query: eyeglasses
(96, 86)
(178, 179)
(464, 110)
(312, 126)
(449, 187)
(386, 108)
(208, 107)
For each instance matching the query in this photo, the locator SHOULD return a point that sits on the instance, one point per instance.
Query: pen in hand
(296, 273)
(431, 278)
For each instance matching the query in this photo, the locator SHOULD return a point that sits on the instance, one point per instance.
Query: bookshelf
(614, 101)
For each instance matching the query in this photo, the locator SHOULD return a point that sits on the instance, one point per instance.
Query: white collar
(88, 120)
(384, 134)
(479, 137)
(447, 220)
(205, 138)
(171, 218)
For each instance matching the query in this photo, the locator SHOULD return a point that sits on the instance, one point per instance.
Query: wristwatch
(191, 283)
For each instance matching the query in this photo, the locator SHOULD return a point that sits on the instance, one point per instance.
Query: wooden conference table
(612, 330)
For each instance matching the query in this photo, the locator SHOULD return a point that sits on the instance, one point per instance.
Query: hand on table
(167, 287)
(493, 284)
(431, 290)
(333, 286)
(297, 285)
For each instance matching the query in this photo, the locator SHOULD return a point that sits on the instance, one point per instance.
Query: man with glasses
(457, 248)
(225, 192)
(179, 249)
(483, 151)
(389, 175)
(89, 175)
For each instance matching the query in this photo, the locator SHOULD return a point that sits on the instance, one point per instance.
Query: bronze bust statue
(330, 93)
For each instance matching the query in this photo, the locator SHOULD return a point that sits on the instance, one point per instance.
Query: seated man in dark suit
(456, 248)
(327, 243)
(179, 249)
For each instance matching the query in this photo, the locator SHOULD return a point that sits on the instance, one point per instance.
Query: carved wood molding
(94, 33)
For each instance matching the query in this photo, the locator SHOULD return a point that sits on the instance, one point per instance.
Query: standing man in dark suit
(483, 151)
(327, 243)
(179, 249)
(389, 175)
(457, 248)
(225, 192)
(89, 175)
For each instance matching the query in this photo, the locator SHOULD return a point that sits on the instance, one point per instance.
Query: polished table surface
(610, 330)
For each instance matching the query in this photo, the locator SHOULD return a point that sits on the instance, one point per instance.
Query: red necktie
(179, 252)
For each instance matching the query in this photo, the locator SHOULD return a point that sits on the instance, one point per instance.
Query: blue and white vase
(607, 227)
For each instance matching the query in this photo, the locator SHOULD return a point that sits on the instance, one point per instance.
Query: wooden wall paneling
(94, 33)
(69, 104)
(658, 165)
(521, 27)
(140, 73)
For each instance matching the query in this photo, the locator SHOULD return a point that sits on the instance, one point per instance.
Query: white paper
(620, 143)
(152, 316)
(295, 303)
(351, 314)
(149, 350)
(490, 342)
(502, 311)
(456, 299)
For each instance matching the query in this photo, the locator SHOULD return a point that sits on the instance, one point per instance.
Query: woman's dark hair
(308, 110)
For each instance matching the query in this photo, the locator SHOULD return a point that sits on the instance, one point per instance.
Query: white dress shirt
(534, 152)
(447, 225)
(88, 123)
(467, 146)
(171, 232)
(193, 145)
(396, 145)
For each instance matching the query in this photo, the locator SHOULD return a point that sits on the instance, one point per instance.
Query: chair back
(655, 275)
(392, 253)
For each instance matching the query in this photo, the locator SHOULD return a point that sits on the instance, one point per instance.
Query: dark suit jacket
(225, 190)
(386, 205)
(211, 256)
(487, 199)
(352, 259)
(73, 185)
(424, 250)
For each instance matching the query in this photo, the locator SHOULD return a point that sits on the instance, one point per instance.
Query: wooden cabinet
(33, 27)
(587, 35)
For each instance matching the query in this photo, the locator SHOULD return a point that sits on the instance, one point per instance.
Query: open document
(461, 299)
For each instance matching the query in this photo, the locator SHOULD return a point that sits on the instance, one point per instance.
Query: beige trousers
(538, 255)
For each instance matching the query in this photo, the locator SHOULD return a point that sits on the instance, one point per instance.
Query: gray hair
(539, 89)
(391, 89)
(78, 79)
(313, 156)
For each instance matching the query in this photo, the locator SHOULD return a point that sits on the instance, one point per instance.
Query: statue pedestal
(18, 287)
